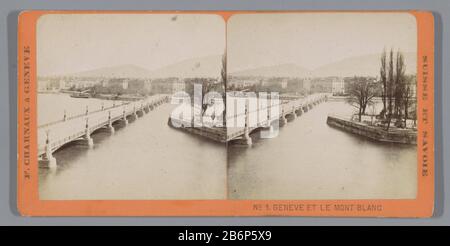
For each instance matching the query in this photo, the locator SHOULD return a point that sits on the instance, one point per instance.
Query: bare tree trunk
(406, 109)
(359, 115)
(390, 88)
(223, 74)
(383, 82)
(400, 86)
(415, 114)
(364, 108)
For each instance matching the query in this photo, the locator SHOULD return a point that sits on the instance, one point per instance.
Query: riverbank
(405, 136)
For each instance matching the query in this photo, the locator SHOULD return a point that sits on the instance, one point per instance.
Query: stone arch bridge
(54, 135)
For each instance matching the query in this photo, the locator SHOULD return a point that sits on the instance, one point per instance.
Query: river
(149, 160)
(310, 160)
(144, 160)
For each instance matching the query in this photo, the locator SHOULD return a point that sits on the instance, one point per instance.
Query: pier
(54, 135)
(376, 133)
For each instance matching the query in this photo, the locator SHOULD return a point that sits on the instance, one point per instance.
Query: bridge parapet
(240, 123)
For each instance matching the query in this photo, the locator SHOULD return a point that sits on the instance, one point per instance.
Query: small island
(396, 121)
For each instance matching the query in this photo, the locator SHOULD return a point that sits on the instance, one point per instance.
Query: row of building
(332, 84)
(336, 85)
(327, 84)
(111, 85)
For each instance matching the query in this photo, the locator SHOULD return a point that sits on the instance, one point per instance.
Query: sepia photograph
(105, 86)
(309, 112)
(275, 106)
(345, 122)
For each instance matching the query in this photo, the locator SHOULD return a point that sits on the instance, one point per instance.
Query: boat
(80, 95)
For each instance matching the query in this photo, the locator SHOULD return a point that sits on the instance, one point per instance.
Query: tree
(383, 80)
(408, 94)
(399, 90)
(223, 71)
(361, 93)
(390, 88)
(223, 74)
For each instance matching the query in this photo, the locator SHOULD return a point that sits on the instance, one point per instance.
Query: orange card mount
(226, 113)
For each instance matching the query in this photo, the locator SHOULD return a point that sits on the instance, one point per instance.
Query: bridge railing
(118, 104)
(253, 117)
(285, 106)
(83, 114)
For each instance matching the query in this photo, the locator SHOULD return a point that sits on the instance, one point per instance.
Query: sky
(311, 40)
(71, 43)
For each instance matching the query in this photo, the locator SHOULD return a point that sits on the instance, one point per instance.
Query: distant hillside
(122, 71)
(368, 65)
(283, 70)
(209, 66)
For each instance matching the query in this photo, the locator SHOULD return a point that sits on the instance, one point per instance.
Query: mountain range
(210, 66)
(121, 71)
(282, 70)
(366, 65)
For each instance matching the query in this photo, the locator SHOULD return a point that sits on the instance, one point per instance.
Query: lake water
(311, 160)
(149, 160)
(51, 107)
(144, 160)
